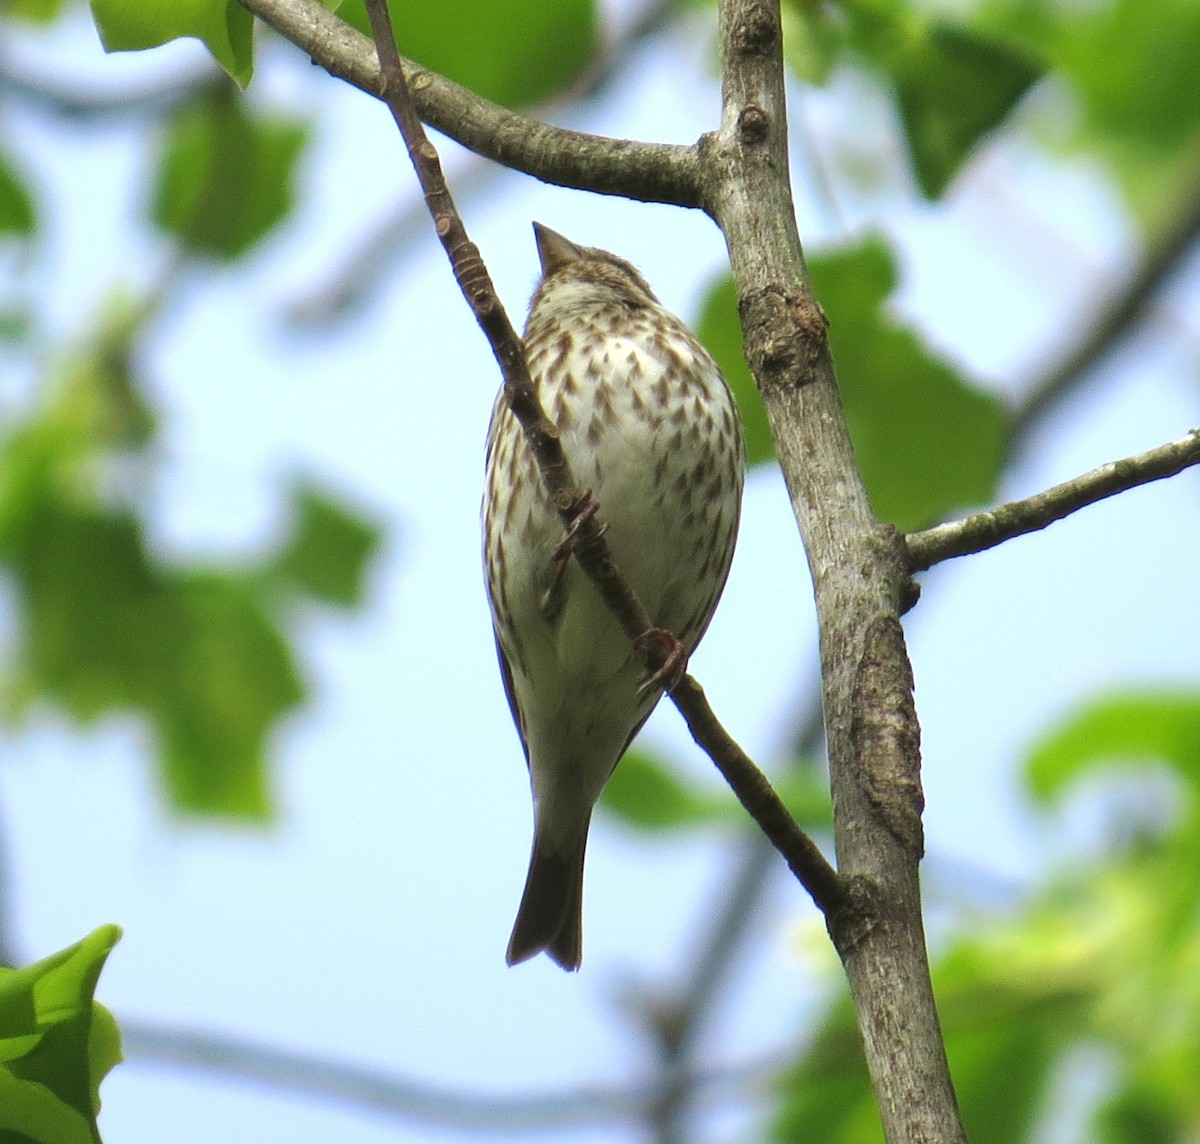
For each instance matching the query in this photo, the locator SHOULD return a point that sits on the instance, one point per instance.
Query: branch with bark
(985, 530)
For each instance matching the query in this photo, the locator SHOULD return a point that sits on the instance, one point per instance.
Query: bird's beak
(554, 250)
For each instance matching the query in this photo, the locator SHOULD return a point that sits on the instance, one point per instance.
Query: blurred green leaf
(955, 82)
(18, 214)
(103, 625)
(1013, 992)
(225, 27)
(720, 330)
(1141, 117)
(56, 1045)
(226, 177)
(827, 1095)
(646, 794)
(954, 86)
(514, 52)
(927, 440)
(1136, 1116)
(327, 553)
(230, 679)
(1128, 728)
(35, 11)
(813, 38)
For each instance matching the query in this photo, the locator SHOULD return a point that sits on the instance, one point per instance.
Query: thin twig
(987, 529)
(589, 547)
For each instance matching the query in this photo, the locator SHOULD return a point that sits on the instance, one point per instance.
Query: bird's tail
(550, 917)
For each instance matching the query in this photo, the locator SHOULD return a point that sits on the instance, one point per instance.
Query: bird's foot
(583, 509)
(661, 647)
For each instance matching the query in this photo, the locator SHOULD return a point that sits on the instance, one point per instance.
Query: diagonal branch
(649, 172)
(987, 529)
(589, 546)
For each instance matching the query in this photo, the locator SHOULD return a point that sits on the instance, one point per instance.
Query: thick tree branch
(987, 529)
(574, 507)
(650, 172)
(860, 576)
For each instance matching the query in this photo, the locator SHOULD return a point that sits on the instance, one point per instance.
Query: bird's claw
(584, 509)
(673, 660)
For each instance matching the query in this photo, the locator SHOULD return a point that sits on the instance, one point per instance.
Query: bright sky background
(370, 923)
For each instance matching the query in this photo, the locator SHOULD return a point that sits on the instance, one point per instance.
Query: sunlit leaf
(225, 27)
(56, 1045)
(226, 177)
(813, 38)
(1143, 120)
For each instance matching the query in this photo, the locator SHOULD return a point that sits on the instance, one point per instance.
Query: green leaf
(225, 27)
(1143, 121)
(228, 678)
(814, 36)
(225, 177)
(955, 85)
(928, 442)
(646, 794)
(35, 11)
(1125, 728)
(514, 52)
(329, 549)
(720, 330)
(56, 1044)
(18, 215)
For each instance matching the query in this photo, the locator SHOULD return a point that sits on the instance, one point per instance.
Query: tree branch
(987, 529)
(860, 576)
(649, 172)
(589, 547)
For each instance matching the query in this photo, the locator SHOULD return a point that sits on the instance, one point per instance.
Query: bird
(651, 429)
